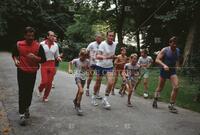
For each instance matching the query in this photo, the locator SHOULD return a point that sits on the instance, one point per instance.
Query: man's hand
(32, 57)
(70, 71)
(16, 61)
(166, 68)
(59, 59)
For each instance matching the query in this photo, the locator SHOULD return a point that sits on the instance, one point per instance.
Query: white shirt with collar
(51, 53)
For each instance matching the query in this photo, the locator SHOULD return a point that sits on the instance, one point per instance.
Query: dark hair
(29, 29)
(109, 32)
(145, 51)
(122, 48)
(172, 39)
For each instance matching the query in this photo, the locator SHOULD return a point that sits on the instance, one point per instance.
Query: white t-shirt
(80, 68)
(148, 60)
(132, 70)
(106, 50)
(51, 53)
(93, 48)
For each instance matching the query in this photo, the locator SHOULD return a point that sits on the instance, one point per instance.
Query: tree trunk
(138, 40)
(188, 45)
(120, 21)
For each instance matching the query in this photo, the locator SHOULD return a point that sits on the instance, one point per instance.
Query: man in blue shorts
(104, 66)
(168, 60)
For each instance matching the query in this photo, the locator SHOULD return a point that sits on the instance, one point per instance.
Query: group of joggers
(97, 59)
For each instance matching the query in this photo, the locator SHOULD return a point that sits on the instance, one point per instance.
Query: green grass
(188, 89)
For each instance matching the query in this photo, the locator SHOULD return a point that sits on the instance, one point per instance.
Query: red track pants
(48, 71)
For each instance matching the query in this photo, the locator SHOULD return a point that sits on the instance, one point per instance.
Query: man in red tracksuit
(27, 55)
(48, 68)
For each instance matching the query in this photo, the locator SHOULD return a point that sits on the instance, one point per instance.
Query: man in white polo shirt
(92, 50)
(104, 66)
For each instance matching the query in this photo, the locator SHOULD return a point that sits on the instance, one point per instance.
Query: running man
(92, 50)
(145, 62)
(104, 66)
(168, 60)
(48, 68)
(56, 61)
(27, 55)
(81, 67)
(119, 63)
(130, 75)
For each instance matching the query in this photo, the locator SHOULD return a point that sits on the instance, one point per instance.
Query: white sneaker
(39, 94)
(105, 103)
(53, 85)
(45, 100)
(145, 95)
(99, 97)
(94, 101)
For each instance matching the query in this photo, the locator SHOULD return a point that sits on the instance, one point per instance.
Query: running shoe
(129, 104)
(146, 95)
(155, 105)
(94, 101)
(172, 109)
(22, 120)
(45, 99)
(98, 97)
(79, 110)
(105, 103)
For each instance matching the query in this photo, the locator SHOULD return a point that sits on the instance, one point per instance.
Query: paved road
(57, 117)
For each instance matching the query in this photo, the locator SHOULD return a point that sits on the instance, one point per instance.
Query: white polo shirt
(51, 53)
(106, 50)
(93, 48)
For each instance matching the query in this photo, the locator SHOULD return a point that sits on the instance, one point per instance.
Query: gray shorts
(79, 80)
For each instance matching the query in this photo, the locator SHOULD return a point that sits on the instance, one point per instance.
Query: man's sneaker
(94, 101)
(105, 103)
(155, 105)
(45, 99)
(79, 111)
(22, 120)
(129, 104)
(53, 85)
(98, 97)
(39, 94)
(146, 95)
(87, 93)
(75, 103)
(27, 114)
(172, 109)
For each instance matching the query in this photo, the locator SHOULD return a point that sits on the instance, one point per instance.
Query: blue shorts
(167, 74)
(102, 71)
(93, 67)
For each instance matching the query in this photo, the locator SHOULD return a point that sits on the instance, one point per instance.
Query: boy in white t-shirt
(104, 66)
(130, 76)
(145, 62)
(81, 66)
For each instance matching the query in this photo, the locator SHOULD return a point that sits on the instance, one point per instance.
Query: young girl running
(130, 75)
(81, 66)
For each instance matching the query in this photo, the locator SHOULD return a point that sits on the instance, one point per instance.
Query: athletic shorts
(167, 74)
(131, 80)
(79, 80)
(146, 73)
(102, 71)
(93, 67)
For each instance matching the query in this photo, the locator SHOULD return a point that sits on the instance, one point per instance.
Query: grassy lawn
(186, 94)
